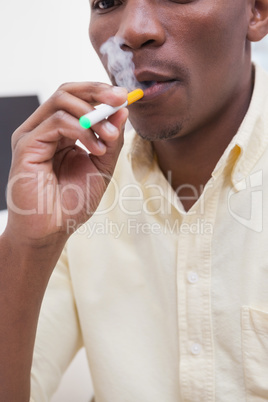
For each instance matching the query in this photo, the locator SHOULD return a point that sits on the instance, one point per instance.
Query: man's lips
(154, 84)
(158, 88)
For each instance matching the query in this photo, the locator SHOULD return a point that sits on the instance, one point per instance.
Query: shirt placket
(194, 304)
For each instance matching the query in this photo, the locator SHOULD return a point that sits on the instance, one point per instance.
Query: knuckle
(15, 138)
(63, 87)
(100, 85)
(18, 148)
(62, 90)
(59, 116)
(58, 94)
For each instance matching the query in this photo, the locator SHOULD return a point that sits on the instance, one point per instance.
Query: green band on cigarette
(84, 122)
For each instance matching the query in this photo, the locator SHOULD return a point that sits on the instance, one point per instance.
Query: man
(166, 285)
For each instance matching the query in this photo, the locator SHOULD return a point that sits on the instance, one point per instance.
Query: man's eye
(183, 1)
(105, 4)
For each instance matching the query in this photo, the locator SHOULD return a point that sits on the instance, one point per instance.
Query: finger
(76, 99)
(113, 147)
(108, 129)
(118, 120)
(97, 92)
(55, 133)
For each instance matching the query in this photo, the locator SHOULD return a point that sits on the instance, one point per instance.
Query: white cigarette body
(99, 114)
(103, 111)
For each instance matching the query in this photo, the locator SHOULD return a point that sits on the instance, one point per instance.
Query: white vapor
(120, 63)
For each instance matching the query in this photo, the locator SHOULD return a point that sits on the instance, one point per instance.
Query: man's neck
(189, 160)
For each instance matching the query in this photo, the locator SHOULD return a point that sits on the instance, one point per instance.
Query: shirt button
(192, 277)
(239, 177)
(196, 349)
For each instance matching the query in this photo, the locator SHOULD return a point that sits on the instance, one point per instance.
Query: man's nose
(141, 25)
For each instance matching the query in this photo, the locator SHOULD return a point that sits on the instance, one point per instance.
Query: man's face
(195, 51)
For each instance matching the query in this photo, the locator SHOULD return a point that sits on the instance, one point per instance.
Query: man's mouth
(147, 84)
(153, 89)
(154, 84)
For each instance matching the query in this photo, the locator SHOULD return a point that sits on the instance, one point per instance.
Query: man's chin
(167, 133)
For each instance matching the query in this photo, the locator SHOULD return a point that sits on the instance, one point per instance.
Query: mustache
(165, 66)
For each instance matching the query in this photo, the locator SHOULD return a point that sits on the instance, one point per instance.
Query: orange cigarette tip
(134, 95)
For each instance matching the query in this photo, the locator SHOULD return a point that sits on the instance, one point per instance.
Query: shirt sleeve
(58, 335)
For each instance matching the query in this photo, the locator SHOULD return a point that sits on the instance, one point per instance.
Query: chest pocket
(255, 353)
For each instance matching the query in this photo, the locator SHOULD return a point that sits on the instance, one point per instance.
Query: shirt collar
(251, 140)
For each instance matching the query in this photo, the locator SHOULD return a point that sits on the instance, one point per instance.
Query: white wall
(43, 44)
(260, 52)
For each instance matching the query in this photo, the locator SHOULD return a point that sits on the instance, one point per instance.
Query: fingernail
(101, 146)
(110, 128)
(119, 90)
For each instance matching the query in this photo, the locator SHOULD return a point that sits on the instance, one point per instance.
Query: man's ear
(258, 24)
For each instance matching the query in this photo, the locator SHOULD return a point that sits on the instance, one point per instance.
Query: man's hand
(51, 179)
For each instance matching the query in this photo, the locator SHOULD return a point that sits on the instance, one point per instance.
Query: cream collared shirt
(171, 306)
